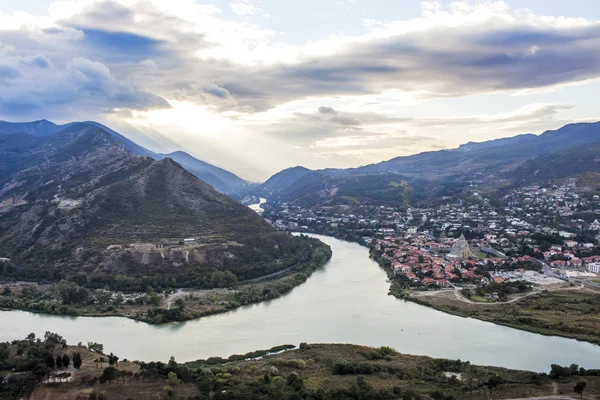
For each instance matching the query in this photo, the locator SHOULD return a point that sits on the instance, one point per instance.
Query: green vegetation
(497, 291)
(313, 372)
(68, 298)
(573, 313)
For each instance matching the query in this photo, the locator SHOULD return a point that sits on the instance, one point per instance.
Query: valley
(139, 236)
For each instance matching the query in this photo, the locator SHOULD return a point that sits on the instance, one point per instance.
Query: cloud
(133, 46)
(39, 61)
(339, 92)
(462, 49)
(345, 121)
(38, 87)
(247, 7)
(327, 110)
(7, 72)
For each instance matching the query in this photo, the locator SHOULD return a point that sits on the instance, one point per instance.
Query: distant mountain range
(570, 151)
(82, 203)
(222, 180)
(401, 180)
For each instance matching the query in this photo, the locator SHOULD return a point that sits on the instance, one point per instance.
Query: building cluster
(428, 247)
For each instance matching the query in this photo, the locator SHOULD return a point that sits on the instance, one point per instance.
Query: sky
(258, 86)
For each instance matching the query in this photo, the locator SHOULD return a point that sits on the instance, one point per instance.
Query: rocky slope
(78, 204)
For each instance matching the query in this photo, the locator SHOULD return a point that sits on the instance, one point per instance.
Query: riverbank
(312, 371)
(180, 305)
(573, 314)
(567, 312)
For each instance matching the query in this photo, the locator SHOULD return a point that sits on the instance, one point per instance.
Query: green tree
(168, 390)
(172, 379)
(278, 385)
(77, 360)
(59, 362)
(66, 361)
(71, 293)
(113, 360)
(579, 388)
(48, 360)
(223, 279)
(95, 347)
(180, 304)
(54, 338)
(108, 375)
(41, 371)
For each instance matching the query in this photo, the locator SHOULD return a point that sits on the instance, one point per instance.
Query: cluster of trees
(34, 360)
(503, 289)
(318, 257)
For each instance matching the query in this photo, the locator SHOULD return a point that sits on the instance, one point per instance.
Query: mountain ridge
(223, 180)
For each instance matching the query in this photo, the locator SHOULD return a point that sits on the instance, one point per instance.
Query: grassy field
(570, 312)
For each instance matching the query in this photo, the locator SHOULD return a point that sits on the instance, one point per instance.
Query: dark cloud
(40, 61)
(119, 44)
(216, 91)
(327, 110)
(344, 121)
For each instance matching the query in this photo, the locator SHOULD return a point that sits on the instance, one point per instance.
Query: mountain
(482, 160)
(222, 180)
(78, 204)
(426, 177)
(581, 162)
(35, 128)
(285, 179)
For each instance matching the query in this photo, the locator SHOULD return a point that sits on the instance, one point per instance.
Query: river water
(258, 207)
(344, 302)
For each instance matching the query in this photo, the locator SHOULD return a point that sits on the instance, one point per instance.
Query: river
(344, 302)
(258, 207)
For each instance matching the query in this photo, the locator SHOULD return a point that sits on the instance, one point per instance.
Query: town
(541, 235)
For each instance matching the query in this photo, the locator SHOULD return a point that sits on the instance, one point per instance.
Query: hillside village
(538, 234)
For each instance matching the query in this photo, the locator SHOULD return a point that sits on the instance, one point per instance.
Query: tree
(54, 338)
(579, 388)
(109, 374)
(59, 362)
(168, 391)
(66, 361)
(172, 379)
(180, 304)
(77, 360)
(113, 360)
(278, 385)
(49, 360)
(71, 293)
(95, 347)
(220, 279)
(41, 371)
